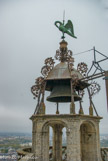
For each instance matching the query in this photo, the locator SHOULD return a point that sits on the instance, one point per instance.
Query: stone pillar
(38, 144)
(45, 144)
(33, 136)
(57, 142)
(73, 141)
(37, 139)
(98, 154)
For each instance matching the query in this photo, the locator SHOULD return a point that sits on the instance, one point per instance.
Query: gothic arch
(57, 126)
(52, 122)
(88, 141)
(90, 123)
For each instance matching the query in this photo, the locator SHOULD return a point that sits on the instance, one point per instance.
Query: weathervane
(65, 28)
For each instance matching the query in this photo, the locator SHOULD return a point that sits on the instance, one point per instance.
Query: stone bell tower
(66, 84)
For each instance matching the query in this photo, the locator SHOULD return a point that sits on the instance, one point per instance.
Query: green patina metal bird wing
(68, 28)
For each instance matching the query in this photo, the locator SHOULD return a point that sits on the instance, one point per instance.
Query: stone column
(45, 144)
(33, 136)
(37, 139)
(57, 142)
(38, 148)
(73, 141)
(98, 154)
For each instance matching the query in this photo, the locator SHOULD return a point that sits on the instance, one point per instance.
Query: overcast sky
(28, 36)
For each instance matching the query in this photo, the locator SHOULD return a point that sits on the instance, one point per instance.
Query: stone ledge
(25, 153)
(64, 116)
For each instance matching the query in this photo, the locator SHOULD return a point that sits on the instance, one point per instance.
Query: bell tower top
(65, 83)
(62, 80)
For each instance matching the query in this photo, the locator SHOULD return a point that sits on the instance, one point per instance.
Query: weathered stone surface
(82, 137)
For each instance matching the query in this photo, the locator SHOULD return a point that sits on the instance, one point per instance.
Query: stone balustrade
(27, 153)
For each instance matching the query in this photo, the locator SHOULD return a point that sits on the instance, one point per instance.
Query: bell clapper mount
(57, 112)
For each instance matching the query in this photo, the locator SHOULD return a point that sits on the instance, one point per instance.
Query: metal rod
(37, 106)
(43, 95)
(98, 66)
(89, 95)
(94, 54)
(102, 60)
(57, 106)
(94, 108)
(64, 17)
(42, 99)
(82, 52)
(101, 53)
(57, 111)
(91, 102)
(72, 97)
(95, 71)
(89, 69)
(106, 81)
(93, 76)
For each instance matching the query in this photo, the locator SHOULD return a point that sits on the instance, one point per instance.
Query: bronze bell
(62, 93)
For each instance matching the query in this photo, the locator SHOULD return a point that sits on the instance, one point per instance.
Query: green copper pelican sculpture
(67, 28)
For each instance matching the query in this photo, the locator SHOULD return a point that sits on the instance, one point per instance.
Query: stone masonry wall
(75, 149)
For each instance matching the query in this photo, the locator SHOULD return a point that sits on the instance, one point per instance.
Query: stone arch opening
(50, 143)
(88, 141)
(64, 144)
(56, 152)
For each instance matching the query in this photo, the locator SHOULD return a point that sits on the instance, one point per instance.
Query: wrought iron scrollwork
(82, 68)
(81, 93)
(63, 55)
(49, 64)
(94, 88)
(45, 70)
(38, 87)
(70, 63)
(69, 54)
(38, 90)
